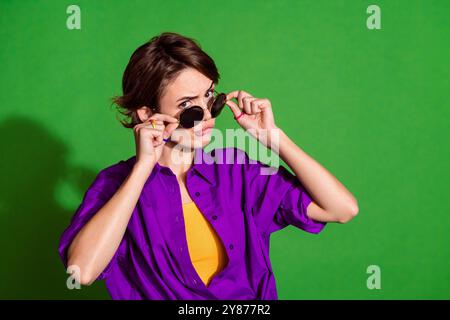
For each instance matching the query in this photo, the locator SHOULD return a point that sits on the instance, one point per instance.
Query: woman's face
(190, 88)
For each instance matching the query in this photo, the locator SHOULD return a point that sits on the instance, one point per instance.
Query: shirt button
(194, 282)
(181, 249)
(176, 219)
(214, 217)
(231, 247)
(197, 194)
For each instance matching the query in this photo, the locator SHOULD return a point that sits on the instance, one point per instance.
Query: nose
(206, 112)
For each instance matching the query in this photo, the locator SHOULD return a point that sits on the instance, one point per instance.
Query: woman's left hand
(252, 114)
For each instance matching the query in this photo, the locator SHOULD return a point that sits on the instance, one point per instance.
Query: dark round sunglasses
(190, 115)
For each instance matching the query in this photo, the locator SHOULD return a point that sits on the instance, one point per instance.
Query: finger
(169, 129)
(138, 127)
(149, 132)
(234, 108)
(265, 103)
(159, 127)
(232, 94)
(164, 117)
(256, 104)
(246, 102)
(254, 108)
(155, 121)
(236, 93)
(243, 94)
(240, 102)
(159, 139)
(167, 133)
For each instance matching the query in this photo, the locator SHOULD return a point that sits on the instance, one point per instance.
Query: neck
(179, 160)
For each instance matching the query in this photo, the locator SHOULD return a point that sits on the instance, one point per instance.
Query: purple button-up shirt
(243, 204)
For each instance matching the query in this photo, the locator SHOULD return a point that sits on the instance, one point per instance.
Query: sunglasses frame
(216, 107)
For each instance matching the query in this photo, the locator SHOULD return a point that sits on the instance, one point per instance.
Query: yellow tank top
(205, 248)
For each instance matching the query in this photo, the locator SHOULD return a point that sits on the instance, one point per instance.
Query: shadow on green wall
(33, 162)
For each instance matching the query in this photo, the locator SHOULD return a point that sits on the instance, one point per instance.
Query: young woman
(176, 222)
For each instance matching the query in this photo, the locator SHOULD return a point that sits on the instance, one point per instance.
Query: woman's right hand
(149, 141)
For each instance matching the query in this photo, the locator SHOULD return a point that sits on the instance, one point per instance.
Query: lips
(204, 130)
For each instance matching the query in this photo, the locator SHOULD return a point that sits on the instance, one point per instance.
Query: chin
(202, 141)
(205, 141)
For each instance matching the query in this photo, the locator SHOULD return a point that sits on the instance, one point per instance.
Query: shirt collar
(203, 164)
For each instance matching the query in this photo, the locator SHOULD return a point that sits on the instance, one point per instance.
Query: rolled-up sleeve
(100, 191)
(277, 200)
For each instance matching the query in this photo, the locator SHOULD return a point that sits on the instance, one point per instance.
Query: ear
(144, 113)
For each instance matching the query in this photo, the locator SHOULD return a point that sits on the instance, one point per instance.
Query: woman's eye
(184, 104)
(210, 93)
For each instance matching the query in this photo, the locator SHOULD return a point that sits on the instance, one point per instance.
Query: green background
(370, 105)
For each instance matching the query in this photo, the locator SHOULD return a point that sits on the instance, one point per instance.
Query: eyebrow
(194, 97)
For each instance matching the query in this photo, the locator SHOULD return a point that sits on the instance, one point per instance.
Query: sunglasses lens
(218, 105)
(189, 116)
